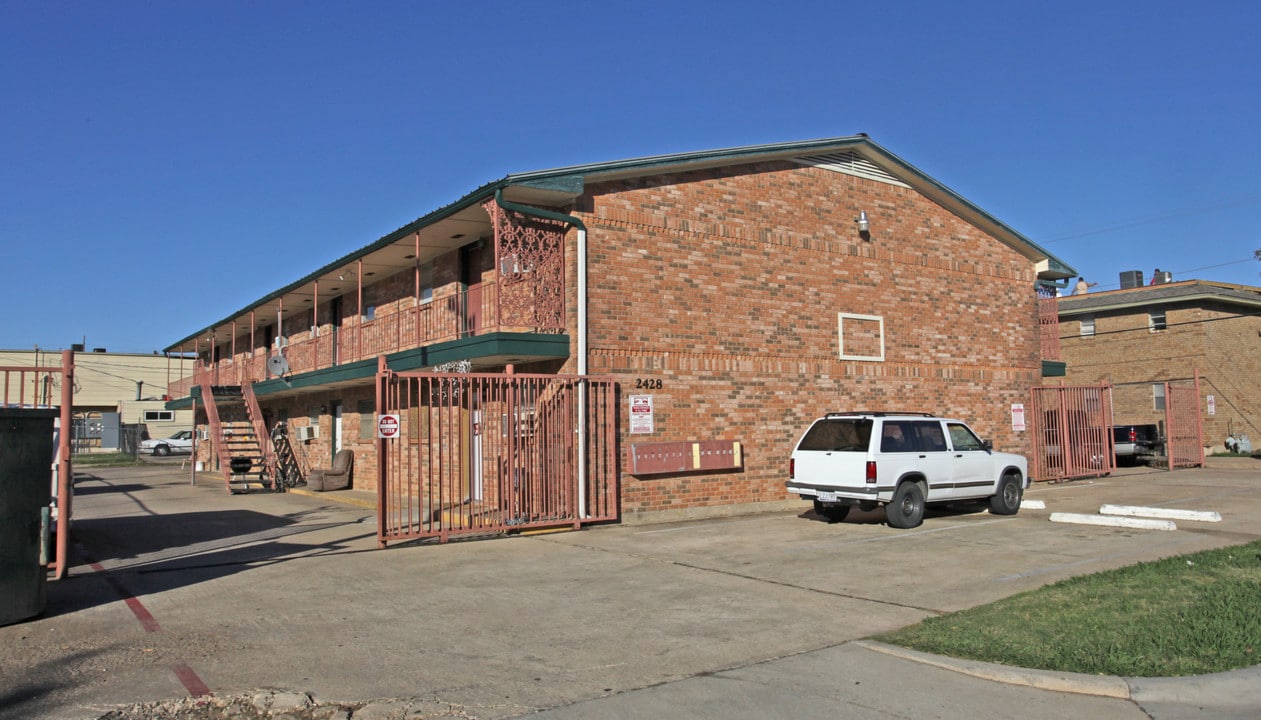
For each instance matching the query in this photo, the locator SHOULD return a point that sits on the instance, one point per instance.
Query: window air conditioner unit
(307, 432)
(203, 435)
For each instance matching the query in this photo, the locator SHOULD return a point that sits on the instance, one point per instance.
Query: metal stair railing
(265, 450)
(216, 428)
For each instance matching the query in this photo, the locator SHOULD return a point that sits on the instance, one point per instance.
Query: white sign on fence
(387, 427)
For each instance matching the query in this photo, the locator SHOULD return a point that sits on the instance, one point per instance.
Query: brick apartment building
(1141, 337)
(743, 291)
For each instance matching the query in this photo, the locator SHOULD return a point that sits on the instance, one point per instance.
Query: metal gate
(1184, 443)
(1072, 432)
(491, 453)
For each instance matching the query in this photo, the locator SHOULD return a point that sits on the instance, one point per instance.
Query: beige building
(1140, 338)
(133, 385)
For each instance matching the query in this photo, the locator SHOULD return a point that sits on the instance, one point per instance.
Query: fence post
(382, 457)
(65, 470)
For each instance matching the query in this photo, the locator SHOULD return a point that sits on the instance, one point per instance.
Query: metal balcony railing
(449, 317)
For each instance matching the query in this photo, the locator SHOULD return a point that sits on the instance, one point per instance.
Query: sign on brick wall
(641, 414)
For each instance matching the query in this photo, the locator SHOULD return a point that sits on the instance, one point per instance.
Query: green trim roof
(570, 181)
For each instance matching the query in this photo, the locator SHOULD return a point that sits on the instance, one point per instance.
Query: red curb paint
(187, 676)
(147, 621)
(192, 683)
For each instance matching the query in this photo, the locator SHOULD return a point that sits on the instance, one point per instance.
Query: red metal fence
(485, 453)
(45, 393)
(1184, 429)
(1072, 432)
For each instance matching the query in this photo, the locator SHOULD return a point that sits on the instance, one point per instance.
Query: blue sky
(163, 164)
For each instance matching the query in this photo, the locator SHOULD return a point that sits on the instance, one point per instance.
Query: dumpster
(26, 458)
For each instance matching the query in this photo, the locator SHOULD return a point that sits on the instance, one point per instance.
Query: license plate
(825, 496)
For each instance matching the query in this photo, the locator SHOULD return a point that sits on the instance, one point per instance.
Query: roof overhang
(464, 220)
(1187, 292)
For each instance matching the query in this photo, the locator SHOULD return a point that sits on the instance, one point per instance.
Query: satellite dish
(278, 365)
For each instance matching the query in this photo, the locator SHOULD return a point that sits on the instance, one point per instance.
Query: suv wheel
(906, 510)
(1007, 500)
(831, 513)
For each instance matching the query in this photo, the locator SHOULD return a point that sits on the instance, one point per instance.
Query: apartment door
(336, 443)
(472, 263)
(335, 311)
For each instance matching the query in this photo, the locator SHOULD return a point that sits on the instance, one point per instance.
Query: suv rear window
(842, 434)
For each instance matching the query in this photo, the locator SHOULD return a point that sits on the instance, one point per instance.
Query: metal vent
(851, 163)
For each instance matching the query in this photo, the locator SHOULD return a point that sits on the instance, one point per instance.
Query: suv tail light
(792, 469)
(871, 472)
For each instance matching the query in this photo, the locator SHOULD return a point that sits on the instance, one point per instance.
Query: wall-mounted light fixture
(345, 274)
(864, 227)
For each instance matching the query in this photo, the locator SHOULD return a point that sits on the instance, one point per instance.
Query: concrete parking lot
(180, 589)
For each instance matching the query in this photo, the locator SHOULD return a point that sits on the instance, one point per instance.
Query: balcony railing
(450, 317)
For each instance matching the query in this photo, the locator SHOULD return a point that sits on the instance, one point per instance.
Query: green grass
(114, 459)
(1184, 615)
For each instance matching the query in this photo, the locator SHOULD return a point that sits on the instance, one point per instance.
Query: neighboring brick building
(736, 287)
(1141, 337)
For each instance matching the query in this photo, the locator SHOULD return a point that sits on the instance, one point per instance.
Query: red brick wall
(725, 287)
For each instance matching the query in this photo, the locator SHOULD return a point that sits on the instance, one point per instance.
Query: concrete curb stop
(1163, 513)
(1112, 521)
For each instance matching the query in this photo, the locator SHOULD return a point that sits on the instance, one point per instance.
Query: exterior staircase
(239, 436)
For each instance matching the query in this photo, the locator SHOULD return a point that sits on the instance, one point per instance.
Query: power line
(1184, 272)
(1185, 212)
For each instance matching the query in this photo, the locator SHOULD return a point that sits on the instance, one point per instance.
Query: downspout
(582, 330)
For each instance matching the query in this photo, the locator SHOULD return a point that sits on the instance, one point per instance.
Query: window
(1087, 326)
(426, 283)
(367, 419)
(894, 438)
(1156, 320)
(962, 437)
(928, 436)
(159, 416)
(837, 436)
(861, 336)
(1158, 396)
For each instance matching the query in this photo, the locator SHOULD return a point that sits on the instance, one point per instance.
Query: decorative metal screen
(530, 263)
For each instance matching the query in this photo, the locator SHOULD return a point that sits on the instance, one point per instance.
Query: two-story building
(1140, 339)
(732, 295)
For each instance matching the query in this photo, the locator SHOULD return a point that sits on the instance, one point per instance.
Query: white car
(180, 442)
(901, 461)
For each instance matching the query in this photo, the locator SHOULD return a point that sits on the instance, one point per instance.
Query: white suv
(901, 461)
